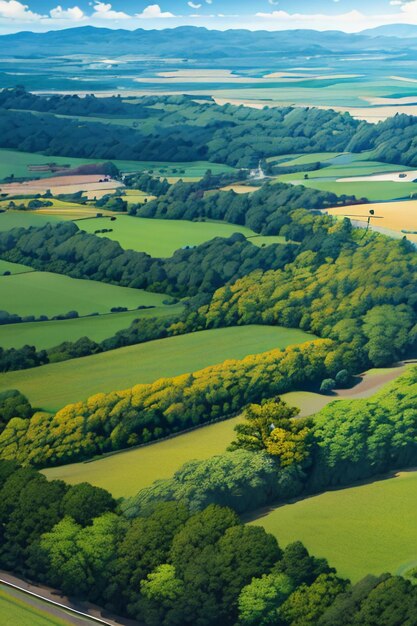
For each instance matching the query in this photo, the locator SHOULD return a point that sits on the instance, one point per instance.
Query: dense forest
(177, 553)
(181, 129)
(178, 563)
(65, 249)
(266, 211)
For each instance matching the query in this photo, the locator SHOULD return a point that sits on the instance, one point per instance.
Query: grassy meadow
(125, 473)
(374, 191)
(160, 238)
(16, 163)
(376, 519)
(45, 335)
(54, 385)
(347, 165)
(45, 293)
(13, 268)
(24, 219)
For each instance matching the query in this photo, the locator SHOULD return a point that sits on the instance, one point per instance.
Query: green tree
(297, 563)
(83, 502)
(270, 426)
(163, 596)
(259, 601)
(306, 604)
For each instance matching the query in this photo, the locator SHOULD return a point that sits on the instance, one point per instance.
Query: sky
(346, 15)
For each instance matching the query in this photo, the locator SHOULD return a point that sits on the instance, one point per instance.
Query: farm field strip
(54, 385)
(125, 473)
(373, 191)
(16, 162)
(68, 184)
(23, 219)
(394, 216)
(45, 335)
(160, 238)
(45, 293)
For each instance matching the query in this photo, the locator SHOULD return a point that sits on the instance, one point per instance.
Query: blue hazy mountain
(200, 43)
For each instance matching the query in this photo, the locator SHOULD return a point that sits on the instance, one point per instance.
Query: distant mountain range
(203, 44)
(392, 30)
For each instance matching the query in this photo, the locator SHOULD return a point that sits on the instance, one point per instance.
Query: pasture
(13, 162)
(352, 174)
(369, 528)
(395, 216)
(123, 474)
(45, 335)
(55, 385)
(13, 268)
(160, 238)
(23, 219)
(45, 293)
(18, 609)
(373, 191)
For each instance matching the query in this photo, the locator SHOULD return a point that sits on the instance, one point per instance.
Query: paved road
(58, 605)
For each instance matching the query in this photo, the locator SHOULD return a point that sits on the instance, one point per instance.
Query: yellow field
(63, 184)
(394, 216)
(240, 188)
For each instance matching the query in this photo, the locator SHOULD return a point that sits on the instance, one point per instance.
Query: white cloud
(273, 1)
(103, 11)
(353, 21)
(74, 14)
(193, 5)
(14, 10)
(153, 11)
(409, 8)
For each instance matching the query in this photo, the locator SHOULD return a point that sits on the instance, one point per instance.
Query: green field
(374, 191)
(45, 335)
(345, 166)
(160, 238)
(23, 219)
(18, 609)
(123, 474)
(55, 385)
(45, 293)
(15, 162)
(303, 159)
(13, 268)
(371, 528)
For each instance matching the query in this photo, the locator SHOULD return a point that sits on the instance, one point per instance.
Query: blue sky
(347, 15)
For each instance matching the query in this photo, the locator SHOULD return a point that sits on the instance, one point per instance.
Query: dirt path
(58, 605)
(371, 382)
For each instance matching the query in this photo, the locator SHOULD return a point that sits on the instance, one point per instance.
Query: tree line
(266, 211)
(180, 129)
(146, 412)
(176, 555)
(277, 456)
(65, 249)
(140, 331)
